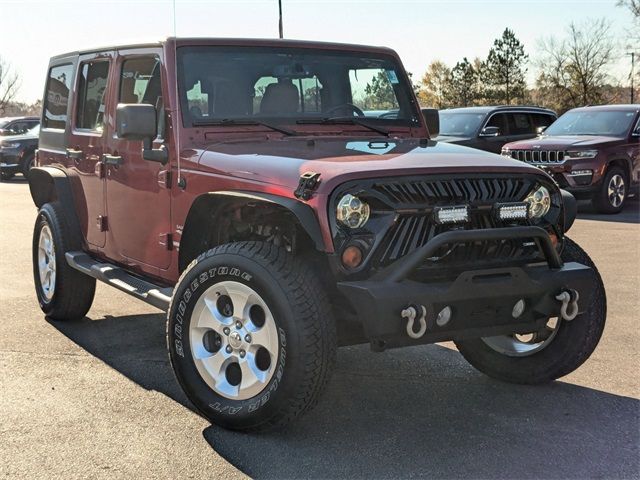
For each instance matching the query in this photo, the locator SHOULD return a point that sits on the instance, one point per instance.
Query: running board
(117, 277)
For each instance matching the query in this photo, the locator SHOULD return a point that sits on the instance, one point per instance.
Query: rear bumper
(481, 301)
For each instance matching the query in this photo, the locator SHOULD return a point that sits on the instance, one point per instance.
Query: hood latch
(309, 181)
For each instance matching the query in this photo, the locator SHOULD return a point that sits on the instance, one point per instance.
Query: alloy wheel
(616, 190)
(522, 345)
(47, 262)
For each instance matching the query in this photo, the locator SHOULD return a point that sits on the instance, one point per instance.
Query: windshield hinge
(309, 181)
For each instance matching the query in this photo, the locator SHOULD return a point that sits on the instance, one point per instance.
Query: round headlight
(539, 202)
(352, 212)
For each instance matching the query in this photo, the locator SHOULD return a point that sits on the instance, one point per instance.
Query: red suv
(593, 152)
(281, 198)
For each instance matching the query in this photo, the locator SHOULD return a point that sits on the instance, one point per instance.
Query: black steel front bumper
(481, 301)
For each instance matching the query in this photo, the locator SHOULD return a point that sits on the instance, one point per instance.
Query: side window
(57, 97)
(91, 92)
(499, 120)
(140, 81)
(542, 120)
(520, 124)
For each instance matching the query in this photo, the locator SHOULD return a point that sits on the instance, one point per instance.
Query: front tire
(63, 292)
(556, 352)
(250, 335)
(27, 164)
(613, 192)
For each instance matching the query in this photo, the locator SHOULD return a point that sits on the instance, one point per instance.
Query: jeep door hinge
(102, 223)
(309, 182)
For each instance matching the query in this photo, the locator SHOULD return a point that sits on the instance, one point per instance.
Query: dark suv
(489, 128)
(593, 152)
(17, 125)
(277, 205)
(17, 153)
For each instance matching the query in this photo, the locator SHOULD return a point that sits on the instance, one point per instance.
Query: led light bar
(512, 211)
(449, 215)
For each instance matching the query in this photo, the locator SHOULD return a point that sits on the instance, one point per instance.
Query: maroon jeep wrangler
(281, 198)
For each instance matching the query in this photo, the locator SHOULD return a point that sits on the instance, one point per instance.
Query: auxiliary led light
(449, 215)
(512, 211)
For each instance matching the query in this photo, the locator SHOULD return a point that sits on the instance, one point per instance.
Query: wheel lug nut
(242, 353)
(226, 330)
(229, 349)
(247, 338)
(238, 325)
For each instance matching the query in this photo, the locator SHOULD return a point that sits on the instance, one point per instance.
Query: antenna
(175, 117)
(280, 20)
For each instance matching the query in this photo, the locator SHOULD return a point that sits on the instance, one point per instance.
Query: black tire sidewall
(46, 217)
(27, 163)
(223, 411)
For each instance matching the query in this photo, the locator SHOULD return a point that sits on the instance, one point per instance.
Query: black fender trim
(48, 184)
(303, 212)
(569, 209)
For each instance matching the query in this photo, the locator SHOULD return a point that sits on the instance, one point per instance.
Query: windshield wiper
(344, 120)
(231, 121)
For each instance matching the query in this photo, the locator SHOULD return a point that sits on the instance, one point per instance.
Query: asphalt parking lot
(97, 398)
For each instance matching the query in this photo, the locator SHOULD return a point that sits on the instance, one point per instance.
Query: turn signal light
(352, 256)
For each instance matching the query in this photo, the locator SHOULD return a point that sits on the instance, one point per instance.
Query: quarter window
(91, 93)
(57, 98)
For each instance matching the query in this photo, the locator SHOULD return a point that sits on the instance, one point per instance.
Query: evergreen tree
(464, 84)
(505, 70)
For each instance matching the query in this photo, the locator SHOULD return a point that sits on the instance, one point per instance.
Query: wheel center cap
(235, 340)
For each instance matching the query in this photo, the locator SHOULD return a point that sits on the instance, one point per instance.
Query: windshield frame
(549, 131)
(411, 105)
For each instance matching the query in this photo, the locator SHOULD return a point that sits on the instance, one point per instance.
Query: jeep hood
(562, 142)
(281, 162)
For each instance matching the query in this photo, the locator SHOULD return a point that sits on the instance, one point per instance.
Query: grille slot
(538, 156)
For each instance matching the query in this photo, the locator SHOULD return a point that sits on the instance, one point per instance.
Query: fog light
(444, 316)
(581, 172)
(352, 256)
(512, 211)
(518, 309)
(447, 215)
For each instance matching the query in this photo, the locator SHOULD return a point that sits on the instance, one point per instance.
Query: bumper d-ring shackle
(410, 313)
(569, 308)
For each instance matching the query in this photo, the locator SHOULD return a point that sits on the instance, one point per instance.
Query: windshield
(593, 122)
(4, 121)
(286, 85)
(460, 124)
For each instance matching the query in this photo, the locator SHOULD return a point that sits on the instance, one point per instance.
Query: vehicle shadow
(630, 214)
(414, 412)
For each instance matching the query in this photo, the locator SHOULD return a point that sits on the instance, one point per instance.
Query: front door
(87, 141)
(138, 190)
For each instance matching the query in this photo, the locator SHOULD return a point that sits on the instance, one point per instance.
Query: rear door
(87, 139)
(138, 190)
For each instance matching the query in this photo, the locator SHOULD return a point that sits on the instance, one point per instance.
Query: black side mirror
(540, 130)
(432, 119)
(138, 122)
(636, 132)
(490, 132)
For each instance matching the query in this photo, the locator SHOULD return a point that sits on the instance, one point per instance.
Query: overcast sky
(420, 30)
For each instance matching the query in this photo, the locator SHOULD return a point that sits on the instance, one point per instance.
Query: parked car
(17, 125)
(593, 152)
(489, 128)
(251, 195)
(17, 153)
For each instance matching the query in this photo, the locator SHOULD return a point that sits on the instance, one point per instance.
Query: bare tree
(573, 71)
(9, 84)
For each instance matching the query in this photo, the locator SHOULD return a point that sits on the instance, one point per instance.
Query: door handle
(75, 154)
(111, 159)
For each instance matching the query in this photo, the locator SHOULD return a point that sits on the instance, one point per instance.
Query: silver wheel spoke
(210, 317)
(46, 262)
(515, 346)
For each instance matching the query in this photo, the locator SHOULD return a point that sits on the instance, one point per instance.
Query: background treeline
(569, 71)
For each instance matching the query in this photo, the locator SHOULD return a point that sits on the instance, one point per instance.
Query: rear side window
(57, 98)
(542, 120)
(520, 124)
(91, 93)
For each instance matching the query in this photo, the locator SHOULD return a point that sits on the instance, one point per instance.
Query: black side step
(115, 276)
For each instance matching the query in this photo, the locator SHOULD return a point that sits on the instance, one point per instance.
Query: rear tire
(250, 335)
(613, 192)
(63, 292)
(568, 348)
(27, 164)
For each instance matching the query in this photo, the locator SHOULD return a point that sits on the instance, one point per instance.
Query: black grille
(538, 156)
(450, 192)
(414, 225)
